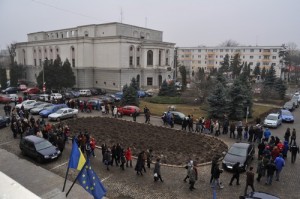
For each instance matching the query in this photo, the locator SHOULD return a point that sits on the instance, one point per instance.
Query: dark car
(33, 96)
(68, 95)
(178, 117)
(239, 152)
(39, 148)
(4, 121)
(94, 91)
(259, 195)
(107, 99)
(289, 106)
(10, 90)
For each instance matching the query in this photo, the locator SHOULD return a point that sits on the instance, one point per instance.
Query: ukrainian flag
(77, 160)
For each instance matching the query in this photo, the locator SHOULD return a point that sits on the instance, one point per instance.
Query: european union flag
(90, 182)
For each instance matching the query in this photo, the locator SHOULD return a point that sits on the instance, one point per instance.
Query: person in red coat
(275, 153)
(128, 155)
(93, 145)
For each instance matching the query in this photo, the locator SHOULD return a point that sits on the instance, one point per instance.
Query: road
(126, 184)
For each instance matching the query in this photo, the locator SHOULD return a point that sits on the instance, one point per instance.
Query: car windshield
(41, 105)
(42, 145)
(286, 113)
(272, 117)
(49, 108)
(238, 151)
(59, 111)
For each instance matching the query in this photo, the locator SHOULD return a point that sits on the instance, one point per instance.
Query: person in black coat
(294, 150)
(236, 174)
(139, 164)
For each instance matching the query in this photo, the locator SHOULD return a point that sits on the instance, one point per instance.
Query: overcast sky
(184, 22)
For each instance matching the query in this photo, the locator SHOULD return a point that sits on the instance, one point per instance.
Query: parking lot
(126, 184)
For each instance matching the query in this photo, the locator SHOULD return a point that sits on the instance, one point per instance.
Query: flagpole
(73, 140)
(76, 179)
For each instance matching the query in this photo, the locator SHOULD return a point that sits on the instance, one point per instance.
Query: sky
(188, 23)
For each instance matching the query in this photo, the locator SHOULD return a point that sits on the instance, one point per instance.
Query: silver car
(63, 113)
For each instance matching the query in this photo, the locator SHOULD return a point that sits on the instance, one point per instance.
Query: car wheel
(39, 160)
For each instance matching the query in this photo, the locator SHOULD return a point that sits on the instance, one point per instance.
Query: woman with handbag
(157, 174)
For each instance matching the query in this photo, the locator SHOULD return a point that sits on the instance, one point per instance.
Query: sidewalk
(38, 180)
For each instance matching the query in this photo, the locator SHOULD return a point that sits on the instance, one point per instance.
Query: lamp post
(44, 86)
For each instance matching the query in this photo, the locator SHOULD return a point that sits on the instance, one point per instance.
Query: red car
(4, 99)
(129, 110)
(34, 90)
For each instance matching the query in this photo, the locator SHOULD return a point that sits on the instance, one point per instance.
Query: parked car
(94, 102)
(85, 92)
(273, 120)
(33, 90)
(297, 94)
(286, 116)
(129, 110)
(10, 90)
(141, 94)
(259, 195)
(25, 103)
(52, 109)
(94, 91)
(44, 97)
(295, 101)
(68, 95)
(22, 87)
(4, 121)
(13, 97)
(117, 96)
(289, 106)
(33, 96)
(107, 99)
(55, 96)
(4, 99)
(63, 113)
(39, 148)
(239, 152)
(28, 107)
(178, 116)
(75, 93)
(39, 108)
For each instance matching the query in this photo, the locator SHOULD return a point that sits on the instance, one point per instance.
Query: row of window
(222, 56)
(212, 63)
(230, 50)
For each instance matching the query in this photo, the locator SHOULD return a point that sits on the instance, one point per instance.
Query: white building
(194, 58)
(104, 55)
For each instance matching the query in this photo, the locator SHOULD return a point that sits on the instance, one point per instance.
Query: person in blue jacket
(267, 134)
(285, 149)
(279, 162)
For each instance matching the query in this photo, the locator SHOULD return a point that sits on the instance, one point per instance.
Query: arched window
(45, 53)
(150, 58)
(86, 33)
(138, 77)
(73, 56)
(51, 54)
(159, 80)
(131, 55)
(34, 56)
(57, 51)
(40, 57)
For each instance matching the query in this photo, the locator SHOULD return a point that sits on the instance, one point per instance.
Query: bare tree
(229, 43)
(12, 52)
(291, 47)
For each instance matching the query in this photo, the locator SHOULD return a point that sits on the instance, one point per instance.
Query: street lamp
(45, 62)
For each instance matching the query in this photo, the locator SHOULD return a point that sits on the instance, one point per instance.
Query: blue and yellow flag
(88, 179)
(77, 159)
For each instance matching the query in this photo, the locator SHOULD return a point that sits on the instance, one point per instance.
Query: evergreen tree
(129, 96)
(125, 87)
(235, 66)
(3, 78)
(220, 78)
(163, 91)
(263, 73)
(236, 101)
(256, 70)
(134, 84)
(217, 101)
(270, 78)
(200, 75)
(225, 64)
(16, 73)
(280, 88)
(182, 71)
(68, 79)
(172, 89)
(247, 91)
(246, 71)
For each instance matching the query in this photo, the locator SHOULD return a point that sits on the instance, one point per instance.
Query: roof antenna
(121, 13)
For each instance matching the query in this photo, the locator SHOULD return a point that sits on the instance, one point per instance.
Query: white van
(85, 92)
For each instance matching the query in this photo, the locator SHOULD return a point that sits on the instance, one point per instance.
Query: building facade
(102, 56)
(194, 58)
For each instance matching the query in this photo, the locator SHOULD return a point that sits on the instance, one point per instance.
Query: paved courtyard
(126, 184)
